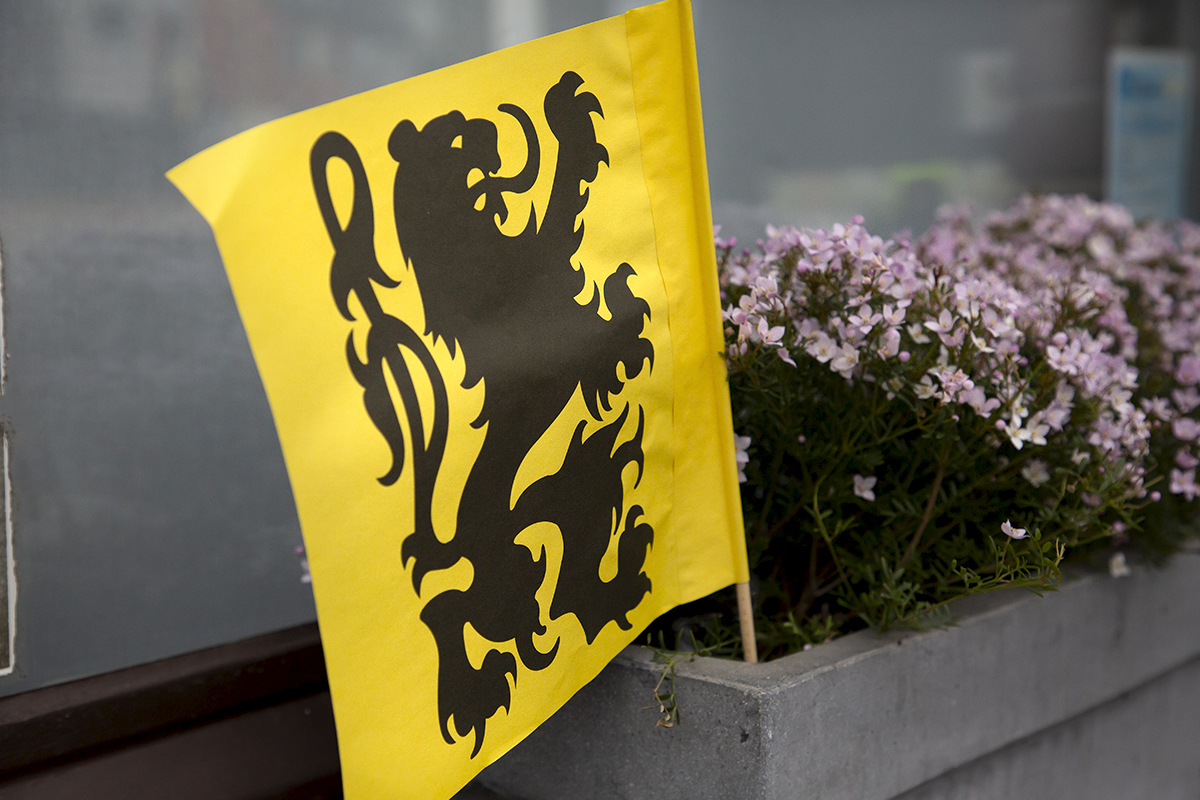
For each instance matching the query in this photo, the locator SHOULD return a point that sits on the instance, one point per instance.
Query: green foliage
(718, 640)
(932, 533)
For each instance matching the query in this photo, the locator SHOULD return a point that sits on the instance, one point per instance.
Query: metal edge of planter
(867, 716)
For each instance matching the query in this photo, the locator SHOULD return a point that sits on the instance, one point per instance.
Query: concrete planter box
(1091, 692)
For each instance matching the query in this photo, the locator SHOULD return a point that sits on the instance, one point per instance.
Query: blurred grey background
(150, 508)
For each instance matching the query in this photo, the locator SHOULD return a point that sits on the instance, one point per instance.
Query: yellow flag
(484, 305)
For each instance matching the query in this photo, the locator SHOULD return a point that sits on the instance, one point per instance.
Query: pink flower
(1188, 372)
(1101, 247)
(1013, 533)
(1158, 407)
(1185, 399)
(741, 444)
(845, 361)
(891, 343)
(917, 334)
(863, 487)
(768, 335)
(1019, 434)
(1105, 433)
(945, 328)
(1064, 359)
(1186, 460)
(864, 319)
(944, 323)
(895, 316)
(1036, 472)
(822, 348)
(1184, 483)
(1185, 429)
(979, 401)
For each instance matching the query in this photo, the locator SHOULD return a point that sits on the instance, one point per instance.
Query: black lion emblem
(508, 303)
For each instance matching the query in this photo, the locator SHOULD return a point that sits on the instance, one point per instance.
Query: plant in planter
(1090, 692)
(923, 421)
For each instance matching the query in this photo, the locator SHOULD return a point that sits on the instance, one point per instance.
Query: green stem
(933, 493)
(776, 465)
(837, 562)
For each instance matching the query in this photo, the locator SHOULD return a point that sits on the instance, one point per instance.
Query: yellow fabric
(647, 207)
(667, 91)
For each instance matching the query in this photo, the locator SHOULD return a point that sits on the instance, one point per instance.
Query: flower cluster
(1144, 302)
(899, 402)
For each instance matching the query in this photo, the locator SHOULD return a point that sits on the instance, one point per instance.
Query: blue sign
(1149, 128)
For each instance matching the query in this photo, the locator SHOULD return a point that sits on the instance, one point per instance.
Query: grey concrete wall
(1143, 744)
(870, 717)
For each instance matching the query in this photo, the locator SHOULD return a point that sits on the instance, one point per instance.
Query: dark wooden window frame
(250, 720)
(128, 733)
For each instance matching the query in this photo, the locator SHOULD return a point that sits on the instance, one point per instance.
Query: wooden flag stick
(746, 621)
